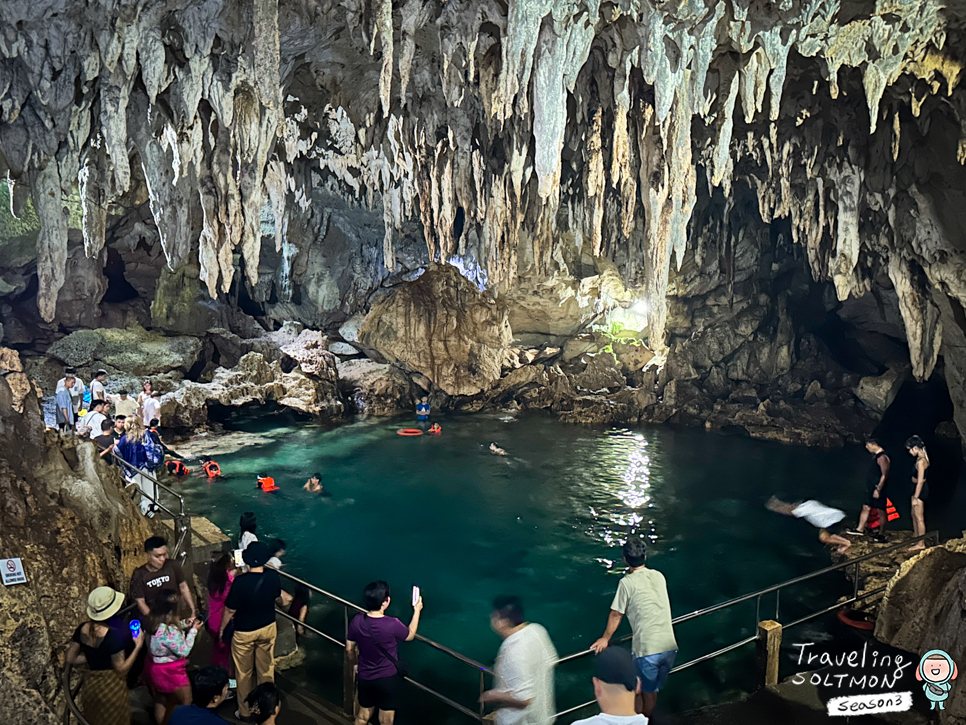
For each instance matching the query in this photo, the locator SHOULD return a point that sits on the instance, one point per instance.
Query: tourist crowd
(119, 424)
(152, 639)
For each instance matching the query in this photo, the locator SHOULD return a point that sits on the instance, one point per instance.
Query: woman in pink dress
(220, 576)
(165, 667)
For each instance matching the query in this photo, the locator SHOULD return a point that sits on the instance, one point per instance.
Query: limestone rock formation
(134, 351)
(442, 326)
(66, 516)
(373, 388)
(741, 171)
(878, 392)
(253, 380)
(923, 609)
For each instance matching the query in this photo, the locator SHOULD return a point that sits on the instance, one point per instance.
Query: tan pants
(254, 656)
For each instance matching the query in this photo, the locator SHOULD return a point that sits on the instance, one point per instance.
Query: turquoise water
(545, 523)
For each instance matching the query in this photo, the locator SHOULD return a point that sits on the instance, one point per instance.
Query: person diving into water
(818, 515)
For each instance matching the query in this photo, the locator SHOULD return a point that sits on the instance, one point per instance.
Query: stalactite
(52, 240)
(383, 29)
(94, 193)
(919, 314)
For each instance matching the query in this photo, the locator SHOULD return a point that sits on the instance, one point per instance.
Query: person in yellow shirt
(124, 404)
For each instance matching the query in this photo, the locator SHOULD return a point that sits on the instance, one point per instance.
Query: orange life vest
(267, 484)
(177, 468)
(211, 469)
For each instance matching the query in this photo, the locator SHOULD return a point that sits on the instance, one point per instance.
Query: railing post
(768, 648)
(348, 674)
(482, 690)
(855, 587)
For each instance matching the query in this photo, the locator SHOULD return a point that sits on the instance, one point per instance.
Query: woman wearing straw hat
(104, 698)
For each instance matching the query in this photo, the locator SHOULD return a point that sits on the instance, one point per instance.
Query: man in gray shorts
(642, 596)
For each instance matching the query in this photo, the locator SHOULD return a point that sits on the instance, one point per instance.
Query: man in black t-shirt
(251, 602)
(157, 576)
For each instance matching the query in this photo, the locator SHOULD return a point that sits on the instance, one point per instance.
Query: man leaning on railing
(642, 596)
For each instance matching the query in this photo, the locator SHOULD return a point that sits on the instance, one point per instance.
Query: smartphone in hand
(237, 556)
(135, 628)
(415, 594)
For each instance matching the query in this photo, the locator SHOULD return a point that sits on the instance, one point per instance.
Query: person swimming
(266, 483)
(435, 429)
(496, 450)
(314, 484)
(818, 515)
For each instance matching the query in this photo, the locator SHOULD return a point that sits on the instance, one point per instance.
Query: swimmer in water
(314, 484)
(266, 483)
(818, 515)
(496, 450)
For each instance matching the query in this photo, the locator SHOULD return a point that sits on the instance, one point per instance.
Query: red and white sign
(11, 570)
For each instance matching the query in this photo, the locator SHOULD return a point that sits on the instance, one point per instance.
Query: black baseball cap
(615, 666)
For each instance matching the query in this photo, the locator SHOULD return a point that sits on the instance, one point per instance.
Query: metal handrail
(153, 479)
(435, 645)
(72, 708)
(347, 605)
(182, 520)
(776, 588)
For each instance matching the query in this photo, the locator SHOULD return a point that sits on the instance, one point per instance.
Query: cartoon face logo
(936, 670)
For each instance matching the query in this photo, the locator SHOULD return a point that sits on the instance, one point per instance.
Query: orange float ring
(845, 617)
(409, 432)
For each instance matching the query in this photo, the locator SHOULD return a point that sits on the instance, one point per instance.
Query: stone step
(206, 539)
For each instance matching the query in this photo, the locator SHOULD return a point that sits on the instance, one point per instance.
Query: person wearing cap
(616, 687)
(523, 688)
(157, 576)
(251, 604)
(642, 596)
(104, 698)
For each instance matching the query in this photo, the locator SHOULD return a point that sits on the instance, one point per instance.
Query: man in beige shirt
(642, 596)
(124, 404)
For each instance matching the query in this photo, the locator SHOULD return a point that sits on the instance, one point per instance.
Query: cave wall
(301, 159)
(64, 514)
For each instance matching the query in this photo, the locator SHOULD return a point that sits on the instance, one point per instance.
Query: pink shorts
(166, 677)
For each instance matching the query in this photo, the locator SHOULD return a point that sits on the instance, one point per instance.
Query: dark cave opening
(118, 288)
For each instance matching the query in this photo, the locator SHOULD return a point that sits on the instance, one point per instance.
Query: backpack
(87, 398)
(153, 453)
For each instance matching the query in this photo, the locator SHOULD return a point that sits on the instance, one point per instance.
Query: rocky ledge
(441, 336)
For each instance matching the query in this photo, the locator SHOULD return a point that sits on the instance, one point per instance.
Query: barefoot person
(818, 515)
(496, 450)
(875, 484)
(917, 449)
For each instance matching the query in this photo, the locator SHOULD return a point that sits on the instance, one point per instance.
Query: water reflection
(625, 488)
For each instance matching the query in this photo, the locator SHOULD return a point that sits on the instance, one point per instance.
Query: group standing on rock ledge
(877, 509)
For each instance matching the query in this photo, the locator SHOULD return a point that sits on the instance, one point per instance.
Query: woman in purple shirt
(375, 637)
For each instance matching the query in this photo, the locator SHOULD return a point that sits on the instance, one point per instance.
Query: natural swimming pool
(545, 523)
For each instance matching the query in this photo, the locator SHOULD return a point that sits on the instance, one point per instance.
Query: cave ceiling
(534, 128)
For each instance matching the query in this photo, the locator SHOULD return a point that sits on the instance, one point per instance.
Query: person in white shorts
(616, 687)
(822, 517)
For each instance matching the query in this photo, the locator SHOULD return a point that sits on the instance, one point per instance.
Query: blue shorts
(654, 669)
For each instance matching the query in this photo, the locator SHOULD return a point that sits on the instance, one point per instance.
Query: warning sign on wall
(11, 570)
